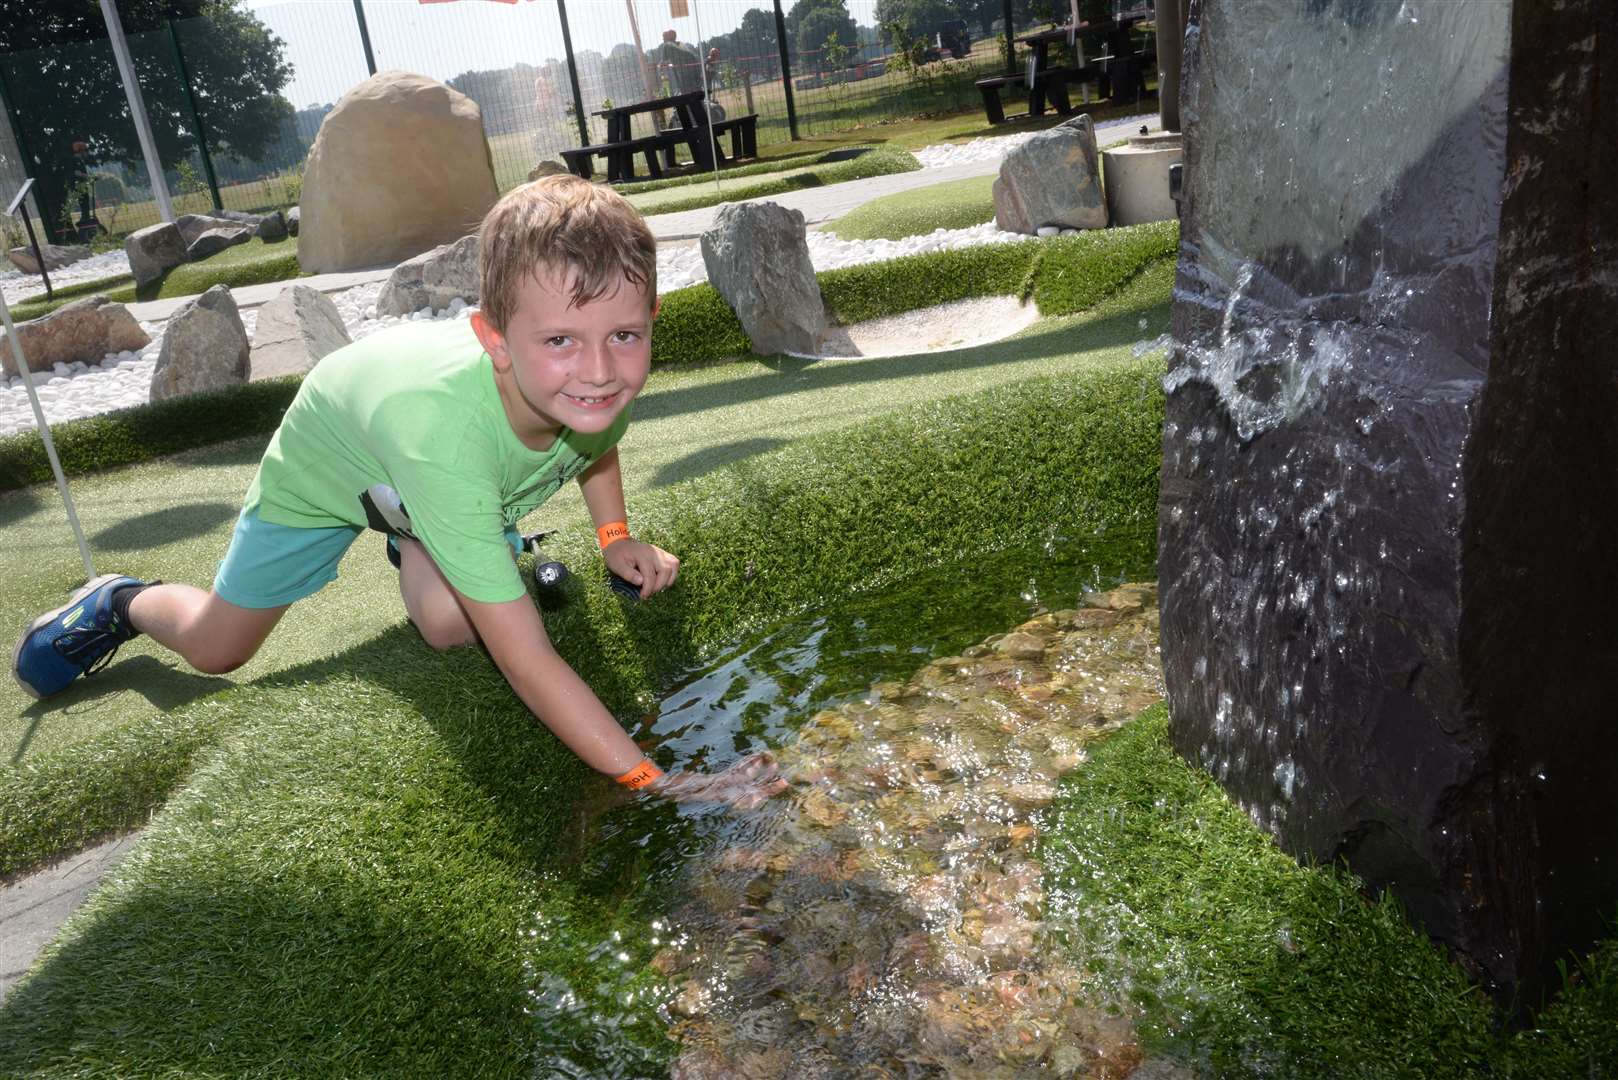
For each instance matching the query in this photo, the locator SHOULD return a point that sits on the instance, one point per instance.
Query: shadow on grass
(166, 686)
(163, 526)
(1118, 329)
(711, 458)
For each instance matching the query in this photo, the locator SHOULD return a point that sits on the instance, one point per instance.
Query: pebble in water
(887, 920)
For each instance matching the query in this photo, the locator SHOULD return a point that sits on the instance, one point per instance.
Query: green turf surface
(1248, 965)
(881, 161)
(955, 204)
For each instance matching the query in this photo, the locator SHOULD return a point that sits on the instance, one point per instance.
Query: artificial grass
(761, 167)
(253, 263)
(955, 204)
(347, 885)
(881, 161)
(1247, 965)
(1062, 275)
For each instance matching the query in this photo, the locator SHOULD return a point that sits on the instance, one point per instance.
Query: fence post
(1011, 50)
(28, 163)
(786, 70)
(573, 76)
(202, 131)
(365, 35)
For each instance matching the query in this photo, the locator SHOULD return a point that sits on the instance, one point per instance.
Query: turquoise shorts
(270, 565)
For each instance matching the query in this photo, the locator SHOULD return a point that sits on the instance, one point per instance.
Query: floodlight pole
(45, 434)
(137, 110)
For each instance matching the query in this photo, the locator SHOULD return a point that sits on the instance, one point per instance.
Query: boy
(443, 436)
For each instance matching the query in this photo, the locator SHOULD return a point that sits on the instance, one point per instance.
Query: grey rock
(294, 331)
(432, 279)
(85, 330)
(212, 241)
(192, 226)
(56, 256)
(271, 227)
(758, 259)
(547, 168)
(293, 215)
(204, 348)
(242, 217)
(154, 250)
(1053, 179)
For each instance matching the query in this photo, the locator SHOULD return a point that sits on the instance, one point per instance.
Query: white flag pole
(707, 99)
(137, 107)
(45, 434)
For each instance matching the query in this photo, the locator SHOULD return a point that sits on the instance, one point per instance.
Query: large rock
(546, 168)
(1053, 179)
(1390, 456)
(293, 216)
(758, 259)
(204, 348)
(85, 330)
(56, 256)
(271, 227)
(294, 331)
(432, 279)
(213, 241)
(154, 251)
(399, 166)
(192, 226)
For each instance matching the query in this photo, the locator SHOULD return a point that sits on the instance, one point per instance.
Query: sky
(441, 40)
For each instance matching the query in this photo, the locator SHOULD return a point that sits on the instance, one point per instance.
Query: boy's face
(559, 366)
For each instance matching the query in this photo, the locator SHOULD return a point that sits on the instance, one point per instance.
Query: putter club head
(622, 586)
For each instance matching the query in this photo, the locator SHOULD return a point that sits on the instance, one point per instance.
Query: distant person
(716, 111)
(443, 436)
(680, 63)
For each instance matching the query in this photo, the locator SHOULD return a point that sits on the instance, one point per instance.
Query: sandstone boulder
(85, 330)
(758, 259)
(399, 166)
(432, 279)
(154, 250)
(56, 256)
(204, 348)
(294, 331)
(1053, 179)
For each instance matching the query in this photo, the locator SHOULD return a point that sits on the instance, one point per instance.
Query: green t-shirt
(404, 432)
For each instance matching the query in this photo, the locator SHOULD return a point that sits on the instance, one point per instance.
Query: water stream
(885, 917)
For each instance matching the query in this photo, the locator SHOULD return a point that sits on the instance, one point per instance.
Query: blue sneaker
(77, 638)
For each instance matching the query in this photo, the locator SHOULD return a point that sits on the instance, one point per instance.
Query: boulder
(192, 226)
(271, 227)
(294, 331)
(432, 279)
(373, 195)
(154, 250)
(85, 330)
(204, 348)
(758, 259)
(292, 216)
(546, 168)
(213, 241)
(56, 256)
(1053, 179)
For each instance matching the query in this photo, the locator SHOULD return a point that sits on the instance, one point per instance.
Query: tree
(816, 20)
(919, 18)
(64, 86)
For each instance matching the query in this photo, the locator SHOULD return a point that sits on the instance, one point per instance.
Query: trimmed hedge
(1064, 274)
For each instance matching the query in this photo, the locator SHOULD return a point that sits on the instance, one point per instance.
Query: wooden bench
(620, 158)
(990, 89)
(743, 135)
(1054, 82)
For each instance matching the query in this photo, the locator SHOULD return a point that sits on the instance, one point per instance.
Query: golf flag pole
(707, 98)
(45, 434)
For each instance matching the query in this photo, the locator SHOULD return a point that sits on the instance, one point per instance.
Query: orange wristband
(612, 532)
(640, 775)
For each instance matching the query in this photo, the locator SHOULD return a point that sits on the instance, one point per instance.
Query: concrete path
(34, 908)
(251, 296)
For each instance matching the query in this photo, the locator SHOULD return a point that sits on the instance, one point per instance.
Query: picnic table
(1047, 83)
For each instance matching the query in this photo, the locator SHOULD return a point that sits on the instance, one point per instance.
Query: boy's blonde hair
(561, 224)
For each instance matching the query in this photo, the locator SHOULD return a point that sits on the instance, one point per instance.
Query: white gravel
(71, 391)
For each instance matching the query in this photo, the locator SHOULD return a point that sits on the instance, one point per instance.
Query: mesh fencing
(236, 98)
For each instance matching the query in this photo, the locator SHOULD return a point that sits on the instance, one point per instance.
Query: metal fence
(236, 97)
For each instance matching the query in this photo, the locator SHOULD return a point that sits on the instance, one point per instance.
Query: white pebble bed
(71, 391)
(20, 286)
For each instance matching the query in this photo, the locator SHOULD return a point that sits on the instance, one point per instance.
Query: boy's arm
(646, 565)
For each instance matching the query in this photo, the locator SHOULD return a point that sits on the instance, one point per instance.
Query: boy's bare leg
(213, 635)
(430, 601)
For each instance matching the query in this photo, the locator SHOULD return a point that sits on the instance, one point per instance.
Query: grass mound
(957, 204)
(881, 161)
(1248, 965)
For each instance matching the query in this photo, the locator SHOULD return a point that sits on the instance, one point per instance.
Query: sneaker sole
(16, 654)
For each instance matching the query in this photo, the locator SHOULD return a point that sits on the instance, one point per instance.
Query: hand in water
(743, 786)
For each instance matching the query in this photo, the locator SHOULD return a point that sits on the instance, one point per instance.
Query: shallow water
(885, 916)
